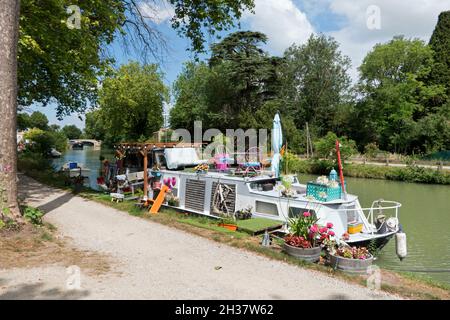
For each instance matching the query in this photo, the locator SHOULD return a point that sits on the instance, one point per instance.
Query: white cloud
(413, 19)
(158, 12)
(282, 21)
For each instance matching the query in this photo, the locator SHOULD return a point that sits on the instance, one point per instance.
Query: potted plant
(243, 214)
(349, 259)
(173, 201)
(286, 188)
(305, 238)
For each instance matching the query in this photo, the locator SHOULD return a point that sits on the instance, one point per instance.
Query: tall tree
(71, 131)
(250, 71)
(440, 43)
(9, 32)
(38, 120)
(394, 93)
(190, 93)
(315, 82)
(131, 102)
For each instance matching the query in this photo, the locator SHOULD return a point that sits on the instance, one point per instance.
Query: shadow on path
(36, 291)
(56, 203)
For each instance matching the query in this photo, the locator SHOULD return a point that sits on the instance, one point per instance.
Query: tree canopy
(238, 80)
(316, 85)
(131, 103)
(394, 93)
(71, 132)
(64, 65)
(440, 43)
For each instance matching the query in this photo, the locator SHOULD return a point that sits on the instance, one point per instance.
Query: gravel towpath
(153, 261)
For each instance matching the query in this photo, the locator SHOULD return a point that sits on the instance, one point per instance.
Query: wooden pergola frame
(143, 148)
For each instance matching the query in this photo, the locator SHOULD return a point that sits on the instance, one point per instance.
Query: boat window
(266, 208)
(296, 212)
(160, 159)
(352, 215)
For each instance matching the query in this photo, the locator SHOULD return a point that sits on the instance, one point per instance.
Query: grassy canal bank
(403, 284)
(410, 173)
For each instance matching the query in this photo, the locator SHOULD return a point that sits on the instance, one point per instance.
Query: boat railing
(379, 206)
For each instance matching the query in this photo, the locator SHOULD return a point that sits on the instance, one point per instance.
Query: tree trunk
(9, 33)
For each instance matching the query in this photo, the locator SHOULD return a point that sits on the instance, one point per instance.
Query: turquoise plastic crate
(322, 192)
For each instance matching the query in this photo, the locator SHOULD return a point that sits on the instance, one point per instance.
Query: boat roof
(223, 175)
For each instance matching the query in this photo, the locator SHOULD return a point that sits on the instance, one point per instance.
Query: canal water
(424, 215)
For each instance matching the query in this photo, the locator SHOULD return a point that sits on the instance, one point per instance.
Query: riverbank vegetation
(410, 173)
(400, 102)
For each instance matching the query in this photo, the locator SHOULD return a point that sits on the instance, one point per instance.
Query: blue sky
(356, 25)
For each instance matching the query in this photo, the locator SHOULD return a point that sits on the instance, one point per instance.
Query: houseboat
(223, 191)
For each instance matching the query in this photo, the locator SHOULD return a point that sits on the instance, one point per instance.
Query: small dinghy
(75, 169)
(55, 153)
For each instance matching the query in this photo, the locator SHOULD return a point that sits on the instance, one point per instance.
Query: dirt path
(152, 261)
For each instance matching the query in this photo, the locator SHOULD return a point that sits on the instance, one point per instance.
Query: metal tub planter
(348, 265)
(308, 254)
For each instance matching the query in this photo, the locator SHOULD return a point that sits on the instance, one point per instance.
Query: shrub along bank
(410, 173)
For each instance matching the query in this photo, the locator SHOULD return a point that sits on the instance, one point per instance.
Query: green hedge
(410, 173)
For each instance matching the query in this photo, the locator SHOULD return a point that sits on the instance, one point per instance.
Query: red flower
(323, 230)
(331, 233)
(329, 225)
(306, 214)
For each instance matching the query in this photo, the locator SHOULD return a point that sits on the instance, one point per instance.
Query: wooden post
(144, 154)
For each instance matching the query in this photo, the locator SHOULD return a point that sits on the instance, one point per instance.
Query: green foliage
(42, 141)
(38, 120)
(23, 121)
(62, 65)
(240, 78)
(131, 103)
(33, 215)
(440, 43)
(410, 173)
(414, 173)
(326, 147)
(371, 150)
(315, 83)
(94, 126)
(300, 226)
(190, 91)
(394, 94)
(192, 17)
(71, 132)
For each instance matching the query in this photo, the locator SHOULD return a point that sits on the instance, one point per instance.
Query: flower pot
(308, 254)
(350, 265)
(231, 227)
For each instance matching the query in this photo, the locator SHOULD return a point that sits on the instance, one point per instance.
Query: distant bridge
(87, 142)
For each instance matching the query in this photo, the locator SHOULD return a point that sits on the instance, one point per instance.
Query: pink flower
(306, 214)
(329, 225)
(331, 233)
(323, 230)
(314, 229)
